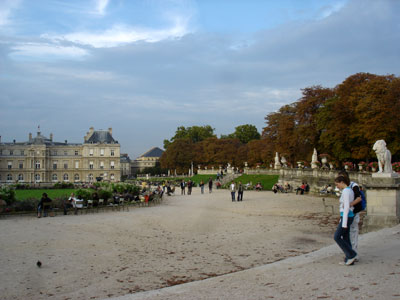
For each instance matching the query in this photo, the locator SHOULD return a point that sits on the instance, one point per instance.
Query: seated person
(68, 203)
(301, 189)
(258, 186)
(42, 205)
(287, 188)
(275, 188)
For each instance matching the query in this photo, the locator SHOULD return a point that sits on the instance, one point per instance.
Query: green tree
(194, 133)
(245, 133)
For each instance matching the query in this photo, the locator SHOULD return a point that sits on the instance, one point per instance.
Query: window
(65, 165)
(112, 165)
(91, 152)
(9, 177)
(76, 152)
(11, 152)
(102, 165)
(1, 152)
(55, 152)
(112, 177)
(9, 165)
(76, 177)
(20, 177)
(112, 152)
(21, 164)
(54, 177)
(37, 164)
(55, 165)
(65, 177)
(65, 152)
(101, 152)
(37, 177)
(22, 152)
(91, 165)
(90, 177)
(77, 164)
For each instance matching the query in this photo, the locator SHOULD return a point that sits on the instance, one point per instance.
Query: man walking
(240, 192)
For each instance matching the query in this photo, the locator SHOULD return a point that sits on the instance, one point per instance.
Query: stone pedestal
(383, 202)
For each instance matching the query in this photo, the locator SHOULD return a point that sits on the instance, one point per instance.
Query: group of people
(239, 188)
(286, 188)
(346, 235)
(303, 188)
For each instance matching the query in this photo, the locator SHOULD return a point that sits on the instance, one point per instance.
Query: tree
(195, 134)
(245, 133)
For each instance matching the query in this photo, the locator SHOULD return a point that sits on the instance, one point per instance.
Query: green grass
(267, 181)
(205, 178)
(37, 193)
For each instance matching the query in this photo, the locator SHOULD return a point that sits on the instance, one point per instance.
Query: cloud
(6, 8)
(46, 51)
(123, 34)
(100, 6)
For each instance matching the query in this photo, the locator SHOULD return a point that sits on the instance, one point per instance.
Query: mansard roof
(153, 152)
(101, 136)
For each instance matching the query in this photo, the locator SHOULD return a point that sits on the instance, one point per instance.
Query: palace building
(40, 159)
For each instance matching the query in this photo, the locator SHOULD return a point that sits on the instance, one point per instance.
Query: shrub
(84, 194)
(8, 194)
(64, 185)
(29, 204)
(104, 194)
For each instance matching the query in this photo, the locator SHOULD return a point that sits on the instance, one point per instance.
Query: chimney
(30, 136)
(110, 130)
(51, 137)
(66, 141)
(14, 141)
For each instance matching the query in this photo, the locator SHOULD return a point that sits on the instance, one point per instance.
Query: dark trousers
(342, 238)
(240, 196)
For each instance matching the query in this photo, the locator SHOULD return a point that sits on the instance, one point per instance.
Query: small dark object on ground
(39, 263)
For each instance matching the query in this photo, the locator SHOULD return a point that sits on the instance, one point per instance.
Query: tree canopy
(344, 122)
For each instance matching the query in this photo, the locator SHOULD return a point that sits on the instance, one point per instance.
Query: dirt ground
(186, 238)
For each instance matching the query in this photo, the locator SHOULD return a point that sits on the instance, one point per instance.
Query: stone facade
(42, 160)
(125, 162)
(146, 160)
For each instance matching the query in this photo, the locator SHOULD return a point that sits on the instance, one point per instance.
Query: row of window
(55, 165)
(54, 177)
(55, 152)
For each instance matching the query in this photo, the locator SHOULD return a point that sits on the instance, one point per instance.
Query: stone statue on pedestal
(314, 159)
(384, 157)
(277, 163)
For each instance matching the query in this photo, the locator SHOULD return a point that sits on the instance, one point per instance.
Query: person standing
(357, 208)
(342, 234)
(189, 185)
(240, 191)
(183, 185)
(210, 185)
(202, 186)
(233, 190)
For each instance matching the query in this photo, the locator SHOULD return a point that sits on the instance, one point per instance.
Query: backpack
(362, 194)
(363, 201)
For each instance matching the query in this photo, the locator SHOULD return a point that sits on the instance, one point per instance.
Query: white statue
(283, 161)
(384, 157)
(314, 157)
(277, 163)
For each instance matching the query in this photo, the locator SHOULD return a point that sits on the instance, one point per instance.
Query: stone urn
(346, 167)
(324, 160)
(360, 167)
(331, 166)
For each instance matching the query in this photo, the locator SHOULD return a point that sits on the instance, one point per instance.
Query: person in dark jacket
(41, 206)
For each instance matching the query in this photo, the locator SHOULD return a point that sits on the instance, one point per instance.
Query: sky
(146, 67)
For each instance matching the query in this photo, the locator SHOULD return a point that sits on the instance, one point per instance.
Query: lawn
(37, 193)
(197, 178)
(267, 181)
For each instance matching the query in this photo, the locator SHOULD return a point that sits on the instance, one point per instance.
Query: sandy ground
(184, 239)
